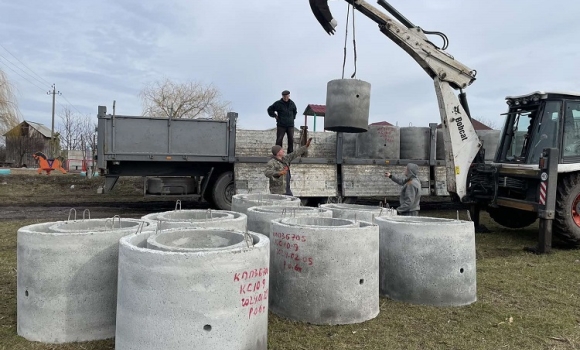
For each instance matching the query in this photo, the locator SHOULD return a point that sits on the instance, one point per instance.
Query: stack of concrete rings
(358, 212)
(427, 261)
(241, 202)
(260, 218)
(202, 288)
(67, 278)
(189, 218)
(327, 270)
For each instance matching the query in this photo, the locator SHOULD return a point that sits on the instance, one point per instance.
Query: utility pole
(53, 93)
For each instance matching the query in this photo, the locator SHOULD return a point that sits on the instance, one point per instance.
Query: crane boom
(461, 142)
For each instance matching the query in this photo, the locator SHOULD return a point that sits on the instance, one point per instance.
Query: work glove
(283, 171)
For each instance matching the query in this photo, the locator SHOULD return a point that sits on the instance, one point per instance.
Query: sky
(103, 51)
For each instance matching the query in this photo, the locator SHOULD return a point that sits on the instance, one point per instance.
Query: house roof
(382, 123)
(312, 109)
(36, 126)
(40, 128)
(477, 125)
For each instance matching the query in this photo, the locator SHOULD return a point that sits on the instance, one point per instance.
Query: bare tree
(69, 129)
(9, 113)
(183, 100)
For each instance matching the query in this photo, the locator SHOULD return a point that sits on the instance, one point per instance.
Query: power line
(45, 82)
(73, 106)
(23, 77)
(23, 71)
(36, 77)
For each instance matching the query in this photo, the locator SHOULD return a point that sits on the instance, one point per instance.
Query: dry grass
(25, 187)
(525, 301)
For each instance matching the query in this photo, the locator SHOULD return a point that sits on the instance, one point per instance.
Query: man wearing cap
(284, 111)
(278, 168)
(411, 191)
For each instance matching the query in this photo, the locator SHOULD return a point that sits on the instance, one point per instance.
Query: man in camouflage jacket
(278, 168)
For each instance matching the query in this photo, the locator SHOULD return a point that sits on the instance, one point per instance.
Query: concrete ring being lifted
(199, 218)
(428, 261)
(194, 298)
(241, 202)
(347, 105)
(67, 281)
(358, 212)
(324, 270)
(260, 218)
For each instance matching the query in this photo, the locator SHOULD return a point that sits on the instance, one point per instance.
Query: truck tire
(223, 191)
(567, 220)
(512, 218)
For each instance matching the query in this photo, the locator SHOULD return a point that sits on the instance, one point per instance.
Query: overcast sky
(99, 51)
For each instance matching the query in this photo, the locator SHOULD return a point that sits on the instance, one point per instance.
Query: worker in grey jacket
(411, 191)
(278, 168)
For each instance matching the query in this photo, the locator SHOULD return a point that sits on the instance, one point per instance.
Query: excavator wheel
(512, 218)
(567, 221)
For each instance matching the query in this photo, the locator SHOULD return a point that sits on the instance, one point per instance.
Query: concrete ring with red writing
(260, 217)
(214, 288)
(324, 270)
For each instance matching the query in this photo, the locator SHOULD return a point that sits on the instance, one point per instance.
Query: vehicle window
(521, 123)
(546, 135)
(572, 129)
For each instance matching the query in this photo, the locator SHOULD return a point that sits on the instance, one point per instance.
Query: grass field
(525, 301)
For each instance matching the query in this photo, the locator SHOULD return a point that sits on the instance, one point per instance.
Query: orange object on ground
(46, 164)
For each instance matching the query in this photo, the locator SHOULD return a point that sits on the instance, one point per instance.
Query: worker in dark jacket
(278, 168)
(284, 111)
(411, 191)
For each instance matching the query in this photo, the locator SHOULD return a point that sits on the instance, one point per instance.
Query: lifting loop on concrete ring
(208, 214)
(86, 211)
(158, 227)
(112, 220)
(248, 238)
(70, 212)
(140, 227)
(178, 204)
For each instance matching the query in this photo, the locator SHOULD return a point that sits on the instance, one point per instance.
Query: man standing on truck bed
(411, 191)
(284, 111)
(278, 168)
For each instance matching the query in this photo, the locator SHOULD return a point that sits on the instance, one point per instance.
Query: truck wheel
(223, 191)
(512, 218)
(567, 220)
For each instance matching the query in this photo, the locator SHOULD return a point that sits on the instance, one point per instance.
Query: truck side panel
(133, 138)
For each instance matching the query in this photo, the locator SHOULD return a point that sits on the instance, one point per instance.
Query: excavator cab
(514, 186)
(538, 121)
(532, 124)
